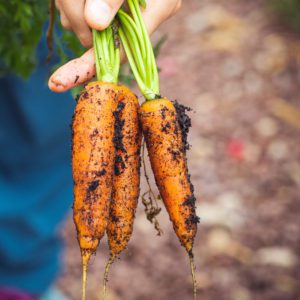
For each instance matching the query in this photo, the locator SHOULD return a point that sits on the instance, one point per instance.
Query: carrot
(162, 132)
(93, 154)
(126, 175)
(127, 171)
(166, 150)
(93, 164)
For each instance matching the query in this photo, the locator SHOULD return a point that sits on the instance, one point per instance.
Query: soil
(237, 67)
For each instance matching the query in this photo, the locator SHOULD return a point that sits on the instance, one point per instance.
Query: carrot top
(138, 48)
(107, 53)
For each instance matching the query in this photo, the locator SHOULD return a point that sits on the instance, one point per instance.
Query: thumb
(99, 13)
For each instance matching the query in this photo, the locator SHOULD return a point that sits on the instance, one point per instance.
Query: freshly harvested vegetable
(162, 132)
(93, 154)
(167, 152)
(126, 184)
(123, 187)
(168, 161)
(126, 173)
(107, 128)
(93, 164)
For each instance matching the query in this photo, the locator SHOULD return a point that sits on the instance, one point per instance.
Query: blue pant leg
(35, 180)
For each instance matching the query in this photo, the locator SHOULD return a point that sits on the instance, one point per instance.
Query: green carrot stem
(134, 45)
(107, 56)
(131, 61)
(139, 51)
(149, 50)
(133, 26)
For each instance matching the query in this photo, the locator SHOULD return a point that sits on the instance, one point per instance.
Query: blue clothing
(35, 178)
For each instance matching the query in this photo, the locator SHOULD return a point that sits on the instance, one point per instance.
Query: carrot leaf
(107, 54)
(138, 48)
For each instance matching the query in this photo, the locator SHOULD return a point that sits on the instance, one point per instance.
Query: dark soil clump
(184, 121)
(119, 124)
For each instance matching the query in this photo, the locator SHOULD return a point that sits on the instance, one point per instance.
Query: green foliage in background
(21, 27)
(289, 10)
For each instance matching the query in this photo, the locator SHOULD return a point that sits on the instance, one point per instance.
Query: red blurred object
(236, 149)
(15, 294)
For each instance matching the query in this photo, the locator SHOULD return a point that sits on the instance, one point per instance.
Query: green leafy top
(139, 51)
(107, 53)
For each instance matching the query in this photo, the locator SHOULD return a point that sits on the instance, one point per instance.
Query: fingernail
(100, 12)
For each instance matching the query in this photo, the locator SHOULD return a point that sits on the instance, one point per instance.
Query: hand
(81, 15)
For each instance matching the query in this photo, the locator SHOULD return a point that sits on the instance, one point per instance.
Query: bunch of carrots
(108, 126)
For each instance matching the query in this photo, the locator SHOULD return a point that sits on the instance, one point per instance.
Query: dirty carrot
(162, 132)
(163, 136)
(92, 160)
(93, 151)
(168, 161)
(126, 175)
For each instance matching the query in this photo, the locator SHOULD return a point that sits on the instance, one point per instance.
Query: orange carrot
(164, 140)
(168, 161)
(93, 164)
(162, 131)
(126, 175)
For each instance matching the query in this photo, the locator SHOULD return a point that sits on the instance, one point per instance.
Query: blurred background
(236, 64)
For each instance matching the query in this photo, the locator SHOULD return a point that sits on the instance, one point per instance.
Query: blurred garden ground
(238, 68)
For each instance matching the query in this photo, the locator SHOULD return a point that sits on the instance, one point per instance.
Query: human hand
(97, 14)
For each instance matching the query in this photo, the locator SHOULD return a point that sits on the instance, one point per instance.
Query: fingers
(99, 13)
(72, 17)
(158, 11)
(82, 69)
(79, 15)
(65, 23)
(63, 18)
(73, 73)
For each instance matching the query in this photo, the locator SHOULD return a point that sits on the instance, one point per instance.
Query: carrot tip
(86, 255)
(193, 272)
(106, 273)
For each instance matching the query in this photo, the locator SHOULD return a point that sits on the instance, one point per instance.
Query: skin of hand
(82, 15)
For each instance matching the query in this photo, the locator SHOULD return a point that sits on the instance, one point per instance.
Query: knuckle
(65, 23)
(84, 40)
(84, 43)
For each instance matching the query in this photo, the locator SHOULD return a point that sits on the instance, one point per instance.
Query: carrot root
(193, 272)
(86, 255)
(149, 200)
(93, 163)
(106, 273)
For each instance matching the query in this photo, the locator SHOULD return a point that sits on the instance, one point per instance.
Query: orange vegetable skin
(93, 163)
(126, 185)
(168, 161)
